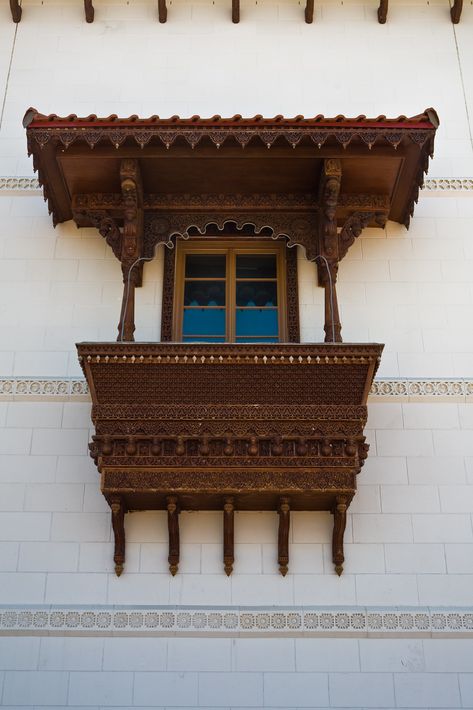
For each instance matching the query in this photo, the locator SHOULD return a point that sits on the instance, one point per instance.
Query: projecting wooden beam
(235, 11)
(162, 11)
(383, 11)
(89, 11)
(15, 10)
(456, 11)
(309, 12)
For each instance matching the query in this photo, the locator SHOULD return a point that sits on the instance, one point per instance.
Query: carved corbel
(339, 525)
(228, 534)
(328, 257)
(117, 507)
(383, 11)
(162, 11)
(131, 244)
(89, 11)
(283, 534)
(354, 226)
(173, 529)
(456, 11)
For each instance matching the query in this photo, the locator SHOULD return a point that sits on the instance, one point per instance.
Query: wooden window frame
(174, 259)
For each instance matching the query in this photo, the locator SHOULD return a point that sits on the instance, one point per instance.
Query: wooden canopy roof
(258, 163)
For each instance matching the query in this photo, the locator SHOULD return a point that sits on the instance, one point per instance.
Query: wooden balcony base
(229, 428)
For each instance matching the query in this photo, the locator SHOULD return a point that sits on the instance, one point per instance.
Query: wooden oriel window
(230, 292)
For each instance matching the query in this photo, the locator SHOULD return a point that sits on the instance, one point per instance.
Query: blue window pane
(256, 293)
(257, 321)
(203, 321)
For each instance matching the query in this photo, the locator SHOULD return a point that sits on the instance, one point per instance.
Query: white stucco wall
(409, 541)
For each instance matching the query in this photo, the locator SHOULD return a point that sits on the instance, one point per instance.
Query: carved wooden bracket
(173, 529)
(15, 10)
(283, 535)
(228, 534)
(89, 11)
(339, 524)
(118, 509)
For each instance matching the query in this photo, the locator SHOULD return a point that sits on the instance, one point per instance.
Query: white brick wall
(409, 538)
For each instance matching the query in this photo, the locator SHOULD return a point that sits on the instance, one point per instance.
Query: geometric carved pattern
(395, 622)
(381, 389)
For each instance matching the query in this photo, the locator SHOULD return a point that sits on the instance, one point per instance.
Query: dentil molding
(391, 622)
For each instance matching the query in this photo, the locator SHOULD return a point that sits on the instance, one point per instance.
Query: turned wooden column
(339, 524)
(283, 534)
(332, 325)
(228, 534)
(118, 524)
(173, 529)
(126, 325)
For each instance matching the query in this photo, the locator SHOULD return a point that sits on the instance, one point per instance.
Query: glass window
(230, 293)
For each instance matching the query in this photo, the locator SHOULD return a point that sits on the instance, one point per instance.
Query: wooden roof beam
(236, 11)
(162, 11)
(15, 10)
(309, 12)
(89, 11)
(456, 11)
(383, 11)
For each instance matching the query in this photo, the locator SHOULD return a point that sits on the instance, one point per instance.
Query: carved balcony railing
(229, 427)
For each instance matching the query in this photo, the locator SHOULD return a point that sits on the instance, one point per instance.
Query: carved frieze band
(435, 389)
(23, 185)
(237, 621)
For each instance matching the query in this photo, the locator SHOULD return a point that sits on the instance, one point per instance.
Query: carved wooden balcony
(229, 427)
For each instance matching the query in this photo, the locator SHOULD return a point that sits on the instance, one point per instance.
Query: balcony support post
(118, 524)
(283, 534)
(339, 524)
(328, 255)
(131, 244)
(228, 534)
(173, 529)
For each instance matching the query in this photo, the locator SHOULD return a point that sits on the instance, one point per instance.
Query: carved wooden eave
(230, 427)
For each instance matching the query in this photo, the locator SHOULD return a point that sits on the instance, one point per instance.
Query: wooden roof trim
(34, 119)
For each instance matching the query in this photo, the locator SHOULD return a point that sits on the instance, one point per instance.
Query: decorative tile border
(237, 621)
(385, 389)
(22, 184)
